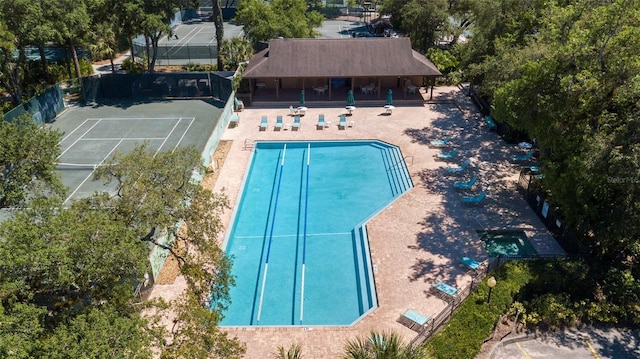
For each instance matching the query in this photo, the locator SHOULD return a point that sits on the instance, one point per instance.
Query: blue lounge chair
(413, 320)
(490, 122)
(321, 123)
(278, 123)
(474, 199)
(470, 263)
(440, 143)
(447, 156)
(233, 122)
(445, 288)
(343, 122)
(296, 123)
(527, 156)
(465, 185)
(460, 168)
(264, 123)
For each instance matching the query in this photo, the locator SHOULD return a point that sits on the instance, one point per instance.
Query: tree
(264, 21)
(382, 345)
(426, 22)
(217, 20)
(156, 17)
(156, 196)
(72, 22)
(67, 278)
(69, 273)
(233, 52)
(27, 159)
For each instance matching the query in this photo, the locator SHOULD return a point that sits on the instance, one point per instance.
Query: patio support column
(329, 81)
(379, 83)
(433, 82)
(277, 90)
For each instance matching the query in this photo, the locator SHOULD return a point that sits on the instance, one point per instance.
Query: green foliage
(382, 345)
(264, 21)
(234, 52)
(132, 67)
(27, 159)
(68, 275)
(474, 320)
(294, 352)
(191, 67)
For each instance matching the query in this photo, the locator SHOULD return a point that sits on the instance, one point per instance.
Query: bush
(133, 67)
(190, 67)
(463, 335)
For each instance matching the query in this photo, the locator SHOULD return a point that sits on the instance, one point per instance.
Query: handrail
(248, 144)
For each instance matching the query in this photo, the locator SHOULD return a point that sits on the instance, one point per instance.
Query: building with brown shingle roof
(368, 66)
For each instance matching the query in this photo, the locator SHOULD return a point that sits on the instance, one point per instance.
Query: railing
(248, 144)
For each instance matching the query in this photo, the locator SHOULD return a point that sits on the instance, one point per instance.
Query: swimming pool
(507, 243)
(298, 239)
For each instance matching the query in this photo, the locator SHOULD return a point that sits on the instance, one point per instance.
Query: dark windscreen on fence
(43, 108)
(174, 85)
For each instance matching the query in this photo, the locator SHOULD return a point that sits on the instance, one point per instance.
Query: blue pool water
(298, 242)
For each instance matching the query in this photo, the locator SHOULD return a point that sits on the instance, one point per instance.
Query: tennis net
(78, 166)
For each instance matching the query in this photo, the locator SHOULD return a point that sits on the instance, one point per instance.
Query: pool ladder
(248, 144)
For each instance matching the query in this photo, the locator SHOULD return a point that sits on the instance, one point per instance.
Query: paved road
(586, 342)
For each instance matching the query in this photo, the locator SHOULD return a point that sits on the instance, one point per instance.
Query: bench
(239, 105)
(234, 121)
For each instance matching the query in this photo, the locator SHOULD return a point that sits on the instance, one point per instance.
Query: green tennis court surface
(92, 135)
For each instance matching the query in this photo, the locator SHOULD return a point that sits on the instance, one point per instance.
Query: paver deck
(419, 239)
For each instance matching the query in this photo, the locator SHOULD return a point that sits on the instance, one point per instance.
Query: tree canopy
(69, 273)
(567, 74)
(264, 21)
(27, 160)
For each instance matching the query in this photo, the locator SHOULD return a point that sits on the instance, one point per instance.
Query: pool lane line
(273, 220)
(304, 236)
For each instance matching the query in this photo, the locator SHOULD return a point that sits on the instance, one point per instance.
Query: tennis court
(190, 42)
(92, 135)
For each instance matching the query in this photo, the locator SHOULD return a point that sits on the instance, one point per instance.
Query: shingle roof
(357, 57)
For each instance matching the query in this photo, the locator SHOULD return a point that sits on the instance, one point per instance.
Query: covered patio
(326, 69)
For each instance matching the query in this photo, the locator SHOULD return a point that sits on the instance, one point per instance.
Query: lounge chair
(440, 143)
(527, 156)
(474, 199)
(343, 122)
(444, 288)
(413, 320)
(296, 123)
(470, 263)
(490, 122)
(459, 169)
(264, 123)
(233, 122)
(465, 185)
(278, 125)
(321, 123)
(447, 156)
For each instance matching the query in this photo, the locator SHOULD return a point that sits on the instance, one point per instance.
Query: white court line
(91, 174)
(167, 137)
(72, 132)
(120, 138)
(76, 141)
(133, 118)
(185, 39)
(183, 134)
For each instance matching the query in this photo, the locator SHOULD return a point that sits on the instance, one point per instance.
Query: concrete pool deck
(420, 238)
